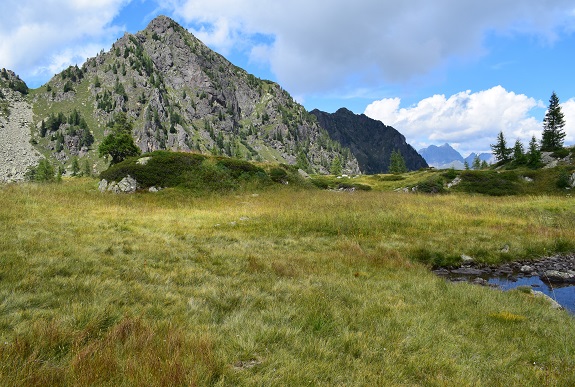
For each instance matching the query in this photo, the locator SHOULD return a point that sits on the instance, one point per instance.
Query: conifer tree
(87, 171)
(75, 167)
(518, 153)
(534, 154)
(335, 167)
(397, 163)
(500, 150)
(553, 123)
(476, 163)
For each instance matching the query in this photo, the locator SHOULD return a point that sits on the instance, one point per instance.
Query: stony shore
(557, 269)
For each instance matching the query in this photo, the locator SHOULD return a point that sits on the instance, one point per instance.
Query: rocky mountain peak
(183, 96)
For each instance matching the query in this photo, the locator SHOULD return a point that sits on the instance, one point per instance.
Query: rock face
(370, 141)
(16, 152)
(180, 95)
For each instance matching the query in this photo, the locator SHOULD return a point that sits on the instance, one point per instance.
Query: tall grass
(277, 287)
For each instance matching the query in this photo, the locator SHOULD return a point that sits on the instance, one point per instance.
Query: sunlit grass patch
(273, 286)
(506, 316)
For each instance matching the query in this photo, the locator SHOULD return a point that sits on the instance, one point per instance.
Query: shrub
(450, 174)
(563, 179)
(490, 183)
(43, 172)
(561, 153)
(279, 175)
(392, 178)
(190, 170)
(433, 184)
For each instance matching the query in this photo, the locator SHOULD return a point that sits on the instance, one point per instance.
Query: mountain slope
(181, 96)
(370, 141)
(16, 152)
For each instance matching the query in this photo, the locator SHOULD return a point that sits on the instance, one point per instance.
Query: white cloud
(39, 38)
(318, 46)
(466, 120)
(568, 109)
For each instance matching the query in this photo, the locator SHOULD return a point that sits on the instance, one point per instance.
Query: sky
(455, 71)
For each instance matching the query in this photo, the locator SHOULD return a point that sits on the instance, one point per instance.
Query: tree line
(552, 139)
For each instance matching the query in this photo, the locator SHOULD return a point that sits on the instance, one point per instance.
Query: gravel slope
(16, 152)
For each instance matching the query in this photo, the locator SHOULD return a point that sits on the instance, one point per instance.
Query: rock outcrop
(127, 185)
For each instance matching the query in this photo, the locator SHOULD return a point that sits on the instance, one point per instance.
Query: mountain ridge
(369, 140)
(183, 96)
(445, 156)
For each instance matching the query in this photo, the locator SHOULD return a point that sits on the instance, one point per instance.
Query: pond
(558, 272)
(563, 294)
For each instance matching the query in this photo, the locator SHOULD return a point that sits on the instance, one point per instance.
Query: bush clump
(392, 178)
(490, 183)
(433, 185)
(196, 172)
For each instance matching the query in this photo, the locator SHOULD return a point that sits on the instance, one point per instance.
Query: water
(564, 295)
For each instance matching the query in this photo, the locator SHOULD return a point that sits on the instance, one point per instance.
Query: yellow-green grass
(278, 287)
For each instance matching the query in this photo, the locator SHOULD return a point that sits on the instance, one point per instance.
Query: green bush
(450, 174)
(356, 186)
(44, 172)
(191, 171)
(392, 178)
(561, 153)
(563, 179)
(279, 175)
(321, 182)
(433, 184)
(490, 183)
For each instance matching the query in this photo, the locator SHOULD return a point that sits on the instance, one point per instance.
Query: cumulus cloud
(39, 38)
(568, 109)
(469, 121)
(318, 46)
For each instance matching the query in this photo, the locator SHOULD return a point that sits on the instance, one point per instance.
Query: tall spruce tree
(553, 123)
(476, 163)
(500, 150)
(397, 163)
(519, 153)
(534, 154)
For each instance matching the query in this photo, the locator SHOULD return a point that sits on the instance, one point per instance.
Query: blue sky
(456, 71)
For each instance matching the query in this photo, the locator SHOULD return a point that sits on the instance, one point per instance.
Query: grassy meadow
(281, 286)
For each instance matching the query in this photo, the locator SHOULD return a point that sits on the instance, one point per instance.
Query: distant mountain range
(370, 141)
(445, 156)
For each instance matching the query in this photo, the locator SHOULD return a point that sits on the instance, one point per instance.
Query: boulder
(557, 276)
(127, 185)
(103, 185)
(554, 304)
